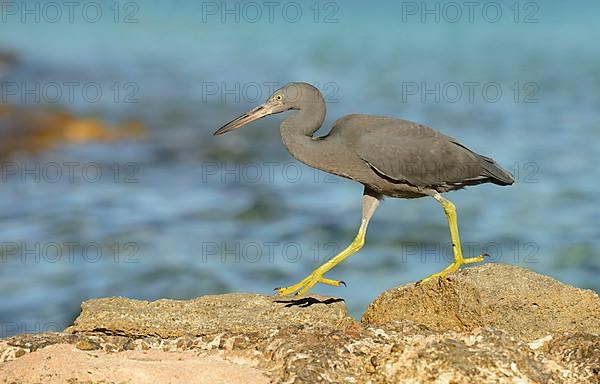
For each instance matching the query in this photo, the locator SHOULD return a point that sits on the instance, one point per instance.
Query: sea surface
(180, 213)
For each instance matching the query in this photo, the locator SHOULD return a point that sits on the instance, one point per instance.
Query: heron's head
(290, 96)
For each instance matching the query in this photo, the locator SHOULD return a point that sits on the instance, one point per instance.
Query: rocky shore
(491, 323)
(35, 129)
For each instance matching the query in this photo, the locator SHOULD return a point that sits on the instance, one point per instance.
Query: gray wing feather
(407, 152)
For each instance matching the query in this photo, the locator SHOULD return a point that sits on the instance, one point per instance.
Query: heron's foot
(307, 283)
(454, 267)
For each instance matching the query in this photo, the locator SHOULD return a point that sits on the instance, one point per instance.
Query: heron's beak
(248, 117)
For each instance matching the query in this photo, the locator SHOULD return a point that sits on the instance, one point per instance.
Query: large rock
(247, 338)
(521, 302)
(235, 313)
(64, 363)
(397, 352)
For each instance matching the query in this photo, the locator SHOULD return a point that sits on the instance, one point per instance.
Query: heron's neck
(297, 133)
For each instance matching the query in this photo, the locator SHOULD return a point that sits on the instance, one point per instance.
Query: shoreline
(490, 323)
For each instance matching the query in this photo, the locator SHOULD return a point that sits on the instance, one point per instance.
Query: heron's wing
(407, 152)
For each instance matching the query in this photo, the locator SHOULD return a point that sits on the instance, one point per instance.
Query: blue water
(180, 213)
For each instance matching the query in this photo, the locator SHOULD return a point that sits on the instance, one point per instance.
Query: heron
(390, 157)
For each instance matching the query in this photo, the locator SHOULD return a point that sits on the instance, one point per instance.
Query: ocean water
(181, 213)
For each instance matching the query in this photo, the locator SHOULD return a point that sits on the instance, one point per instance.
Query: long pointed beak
(248, 117)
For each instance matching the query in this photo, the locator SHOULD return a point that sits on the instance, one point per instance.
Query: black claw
(343, 282)
(485, 255)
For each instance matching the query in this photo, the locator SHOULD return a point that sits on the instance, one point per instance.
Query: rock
(396, 352)
(520, 302)
(235, 313)
(36, 129)
(578, 352)
(242, 338)
(62, 363)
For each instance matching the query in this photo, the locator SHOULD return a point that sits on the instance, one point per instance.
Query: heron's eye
(279, 97)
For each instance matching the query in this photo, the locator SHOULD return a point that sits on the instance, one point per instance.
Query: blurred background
(113, 185)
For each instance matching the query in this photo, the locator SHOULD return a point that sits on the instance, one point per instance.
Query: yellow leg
(317, 275)
(450, 211)
(370, 203)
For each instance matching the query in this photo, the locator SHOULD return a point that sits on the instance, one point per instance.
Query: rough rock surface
(244, 338)
(233, 313)
(64, 363)
(521, 302)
